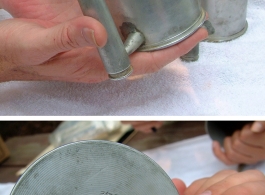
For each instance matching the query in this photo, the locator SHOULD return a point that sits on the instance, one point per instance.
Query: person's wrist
(10, 72)
(6, 73)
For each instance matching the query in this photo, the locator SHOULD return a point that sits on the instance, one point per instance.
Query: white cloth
(228, 79)
(6, 188)
(192, 159)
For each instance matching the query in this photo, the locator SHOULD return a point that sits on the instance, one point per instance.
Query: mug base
(177, 38)
(121, 75)
(218, 39)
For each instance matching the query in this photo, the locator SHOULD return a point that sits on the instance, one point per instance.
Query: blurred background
(22, 142)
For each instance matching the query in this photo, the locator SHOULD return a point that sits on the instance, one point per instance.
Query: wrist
(12, 75)
(6, 74)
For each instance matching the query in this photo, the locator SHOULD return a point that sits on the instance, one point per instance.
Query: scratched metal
(163, 23)
(94, 168)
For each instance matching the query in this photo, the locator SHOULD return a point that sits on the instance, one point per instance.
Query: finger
(149, 124)
(242, 178)
(250, 138)
(255, 188)
(243, 148)
(147, 62)
(218, 177)
(258, 126)
(233, 155)
(218, 152)
(239, 146)
(180, 185)
(76, 33)
(147, 127)
(195, 186)
(138, 126)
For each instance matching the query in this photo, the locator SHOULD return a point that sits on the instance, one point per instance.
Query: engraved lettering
(106, 193)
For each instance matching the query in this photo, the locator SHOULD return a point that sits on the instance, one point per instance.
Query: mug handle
(114, 54)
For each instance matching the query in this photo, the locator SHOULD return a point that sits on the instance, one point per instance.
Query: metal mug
(218, 130)
(228, 17)
(94, 167)
(143, 25)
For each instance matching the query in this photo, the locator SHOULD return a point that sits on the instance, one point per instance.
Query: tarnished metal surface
(113, 55)
(94, 168)
(161, 23)
(193, 55)
(228, 17)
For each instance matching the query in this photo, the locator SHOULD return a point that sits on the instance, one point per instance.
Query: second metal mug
(218, 130)
(228, 17)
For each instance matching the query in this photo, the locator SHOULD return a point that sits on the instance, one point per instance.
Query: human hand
(228, 182)
(145, 126)
(258, 126)
(244, 146)
(50, 44)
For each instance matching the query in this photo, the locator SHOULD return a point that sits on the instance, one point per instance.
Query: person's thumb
(180, 185)
(76, 33)
(258, 127)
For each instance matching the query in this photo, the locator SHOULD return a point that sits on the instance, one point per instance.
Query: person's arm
(226, 182)
(245, 146)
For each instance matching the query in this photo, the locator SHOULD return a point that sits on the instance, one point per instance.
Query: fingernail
(206, 193)
(257, 127)
(89, 36)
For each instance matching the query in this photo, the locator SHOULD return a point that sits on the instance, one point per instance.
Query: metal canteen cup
(218, 130)
(228, 17)
(94, 167)
(143, 25)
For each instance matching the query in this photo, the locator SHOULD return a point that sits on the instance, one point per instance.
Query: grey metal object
(113, 55)
(94, 168)
(218, 130)
(228, 17)
(160, 23)
(193, 55)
